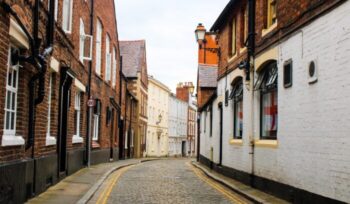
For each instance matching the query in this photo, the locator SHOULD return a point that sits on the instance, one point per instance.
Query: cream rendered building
(157, 129)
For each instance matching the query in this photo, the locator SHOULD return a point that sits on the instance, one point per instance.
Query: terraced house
(55, 57)
(278, 120)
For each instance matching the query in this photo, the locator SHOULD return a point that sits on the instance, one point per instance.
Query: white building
(302, 144)
(157, 128)
(178, 111)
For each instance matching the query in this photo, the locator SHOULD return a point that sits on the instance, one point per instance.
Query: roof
(224, 14)
(207, 75)
(133, 53)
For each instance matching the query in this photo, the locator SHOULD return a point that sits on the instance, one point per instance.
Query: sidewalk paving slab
(250, 193)
(81, 186)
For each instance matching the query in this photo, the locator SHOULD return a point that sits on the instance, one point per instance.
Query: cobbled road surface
(163, 181)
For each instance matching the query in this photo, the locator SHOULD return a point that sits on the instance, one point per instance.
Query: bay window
(267, 83)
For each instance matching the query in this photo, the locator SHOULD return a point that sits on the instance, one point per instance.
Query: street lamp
(200, 33)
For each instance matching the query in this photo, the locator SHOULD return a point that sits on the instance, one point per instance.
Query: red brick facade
(67, 154)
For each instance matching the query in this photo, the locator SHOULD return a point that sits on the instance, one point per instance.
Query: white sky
(168, 28)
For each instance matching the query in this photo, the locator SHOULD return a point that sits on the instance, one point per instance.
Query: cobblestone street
(163, 181)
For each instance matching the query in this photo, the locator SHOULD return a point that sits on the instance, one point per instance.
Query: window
(233, 37)
(11, 96)
(49, 139)
(98, 47)
(81, 41)
(114, 71)
(245, 26)
(271, 13)
(108, 60)
(267, 83)
(97, 113)
(67, 15)
(126, 140)
(288, 74)
(237, 97)
(77, 118)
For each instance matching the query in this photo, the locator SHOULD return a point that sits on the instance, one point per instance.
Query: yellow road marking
(228, 194)
(102, 199)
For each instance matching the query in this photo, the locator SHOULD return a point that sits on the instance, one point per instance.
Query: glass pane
(13, 107)
(9, 78)
(12, 121)
(7, 121)
(14, 83)
(269, 115)
(8, 100)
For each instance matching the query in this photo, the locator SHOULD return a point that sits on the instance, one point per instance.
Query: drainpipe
(88, 132)
(250, 78)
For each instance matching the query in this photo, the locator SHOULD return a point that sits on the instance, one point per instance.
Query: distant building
(157, 129)
(134, 68)
(184, 92)
(178, 114)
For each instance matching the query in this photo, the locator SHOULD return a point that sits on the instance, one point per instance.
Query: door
(111, 134)
(64, 104)
(183, 148)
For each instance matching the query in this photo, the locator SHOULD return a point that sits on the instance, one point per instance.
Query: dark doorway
(183, 148)
(111, 135)
(121, 139)
(64, 104)
(221, 120)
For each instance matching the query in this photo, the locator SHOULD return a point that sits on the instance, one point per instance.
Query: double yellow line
(227, 193)
(103, 197)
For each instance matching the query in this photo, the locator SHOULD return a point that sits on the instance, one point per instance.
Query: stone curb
(248, 196)
(88, 195)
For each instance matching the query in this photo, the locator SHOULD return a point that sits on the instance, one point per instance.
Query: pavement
(79, 187)
(248, 192)
(171, 180)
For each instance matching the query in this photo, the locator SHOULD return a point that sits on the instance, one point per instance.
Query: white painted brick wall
(313, 150)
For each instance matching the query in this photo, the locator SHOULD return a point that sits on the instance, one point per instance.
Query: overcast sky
(168, 28)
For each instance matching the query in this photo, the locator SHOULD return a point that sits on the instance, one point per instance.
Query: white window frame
(50, 140)
(98, 47)
(77, 107)
(83, 37)
(126, 140)
(114, 71)
(67, 14)
(108, 59)
(96, 127)
(56, 8)
(9, 137)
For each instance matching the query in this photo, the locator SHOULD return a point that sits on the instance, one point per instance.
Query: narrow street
(163, 181)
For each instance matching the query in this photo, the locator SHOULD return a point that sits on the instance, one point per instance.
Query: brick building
(69, 57)
(274, 107)
(135, 70)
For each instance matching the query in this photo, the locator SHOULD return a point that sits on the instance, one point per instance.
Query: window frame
(108, 59)
(98, 44)
(67, 28)
(270, 15)
(50, 140)
(233, 38)
(269, 90)
(114, 68)
(237, 99)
